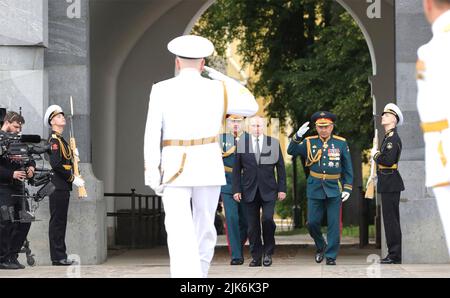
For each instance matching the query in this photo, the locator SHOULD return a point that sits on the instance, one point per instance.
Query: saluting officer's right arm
(240, 100)
(152, 139)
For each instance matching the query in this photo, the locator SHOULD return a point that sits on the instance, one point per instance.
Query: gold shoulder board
(339, 138)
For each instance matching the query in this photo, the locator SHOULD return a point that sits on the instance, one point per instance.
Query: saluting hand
(303, 129)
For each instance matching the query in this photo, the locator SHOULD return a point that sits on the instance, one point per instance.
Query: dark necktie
(258, 151)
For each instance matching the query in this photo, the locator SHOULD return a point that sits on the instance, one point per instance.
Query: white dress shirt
(261, 140)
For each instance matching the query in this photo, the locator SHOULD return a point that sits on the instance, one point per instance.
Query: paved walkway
(291, 260)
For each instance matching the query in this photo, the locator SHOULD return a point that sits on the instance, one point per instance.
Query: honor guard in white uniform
(433, 101)
(183, 159)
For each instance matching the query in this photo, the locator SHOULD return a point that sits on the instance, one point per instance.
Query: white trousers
(191, 234)
(442, 195)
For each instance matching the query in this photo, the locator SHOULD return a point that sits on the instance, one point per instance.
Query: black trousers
(12, 234)
(257, 248)
(390, 202)
(59, 206)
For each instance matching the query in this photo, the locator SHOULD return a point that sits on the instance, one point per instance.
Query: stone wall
(44, 59)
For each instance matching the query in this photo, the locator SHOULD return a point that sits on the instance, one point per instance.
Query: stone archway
(149, 59)
(379, 35)
(108, 54)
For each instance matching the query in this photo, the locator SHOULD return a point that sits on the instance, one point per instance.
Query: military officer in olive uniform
(329, 182)
(63, 178)
(390, 183)
(236, 221)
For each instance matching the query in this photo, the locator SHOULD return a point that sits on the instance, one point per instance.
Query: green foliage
(307, 55)
(284, 209)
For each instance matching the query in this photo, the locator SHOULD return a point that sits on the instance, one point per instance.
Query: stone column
(44, 59)
(423, 239)
(23, 38)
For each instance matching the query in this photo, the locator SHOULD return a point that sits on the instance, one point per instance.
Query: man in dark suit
(257, 157)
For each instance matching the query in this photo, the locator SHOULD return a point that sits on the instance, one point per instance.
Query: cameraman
(12, 234)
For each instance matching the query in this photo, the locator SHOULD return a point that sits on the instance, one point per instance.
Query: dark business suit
(259, 188)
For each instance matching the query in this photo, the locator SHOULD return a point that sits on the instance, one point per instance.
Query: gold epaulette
(339, 138)
(312, 137)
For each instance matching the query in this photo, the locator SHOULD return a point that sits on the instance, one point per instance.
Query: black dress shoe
(388, 260)
(331, 262)
(267, 260)
(15, 261)
(320, 254)
(63, 262)
(255, 263)
(237, 261)
(8, 265)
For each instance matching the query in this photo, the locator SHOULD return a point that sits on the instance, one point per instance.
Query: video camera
(19, 147)
(22, 150)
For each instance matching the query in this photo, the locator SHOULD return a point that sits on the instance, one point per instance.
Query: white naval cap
(394, 110)
(51, 112)
(191, 47)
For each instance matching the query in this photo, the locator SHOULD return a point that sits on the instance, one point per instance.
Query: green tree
(307, 55)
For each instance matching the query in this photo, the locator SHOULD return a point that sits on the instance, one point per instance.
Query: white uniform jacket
(433, 101)
(189, 107)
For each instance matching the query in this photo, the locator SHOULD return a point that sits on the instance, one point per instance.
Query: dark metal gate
(142, 225)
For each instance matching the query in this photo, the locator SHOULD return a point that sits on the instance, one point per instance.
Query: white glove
(152, 178)
(79, 182)
(159, 190)
(76, 152)
(345, 195)
(303, 129)
(373, 152)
